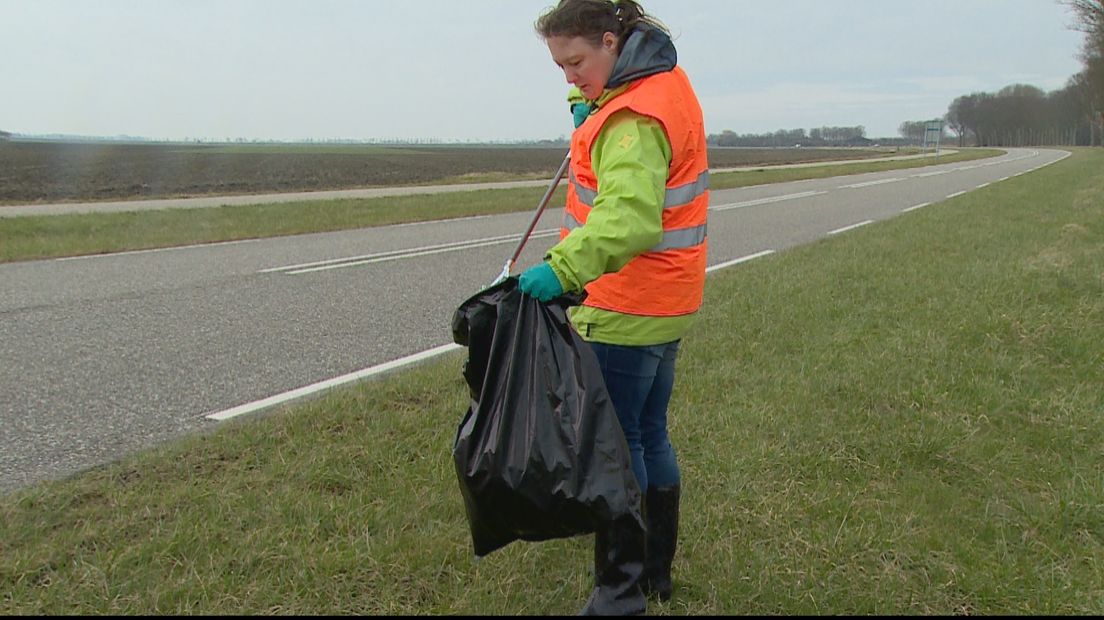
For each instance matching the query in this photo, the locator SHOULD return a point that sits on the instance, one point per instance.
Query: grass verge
(38, 237)
(767, 175)
(901, 420)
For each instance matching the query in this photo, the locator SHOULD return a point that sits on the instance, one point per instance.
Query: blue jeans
(639, 381)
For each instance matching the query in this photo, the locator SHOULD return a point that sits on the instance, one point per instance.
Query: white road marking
(151, 250)
(764, 201)
(364, 259)
(982, 185)
(313, 388)
(851, 227)
(737, 261)
(931, 174)
(371, 371)
(870, 183)
(955, 195)
(914, 207)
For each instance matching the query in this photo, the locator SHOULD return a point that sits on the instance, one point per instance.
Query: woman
(634, 238)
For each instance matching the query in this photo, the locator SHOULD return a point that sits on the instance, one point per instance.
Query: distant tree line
(1024, 115)
(820, 136)
(1016, 115)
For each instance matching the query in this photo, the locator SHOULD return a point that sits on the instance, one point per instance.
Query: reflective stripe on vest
(669, 278)
(674, 197)
(672, 239)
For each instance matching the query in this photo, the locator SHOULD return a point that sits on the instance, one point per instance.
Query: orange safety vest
(668, 279)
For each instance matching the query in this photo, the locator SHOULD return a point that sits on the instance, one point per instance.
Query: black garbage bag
(540, 453)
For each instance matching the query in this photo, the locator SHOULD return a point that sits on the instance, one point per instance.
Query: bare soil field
(33, 172)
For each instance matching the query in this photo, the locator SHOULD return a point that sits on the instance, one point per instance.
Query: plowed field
(57, 172)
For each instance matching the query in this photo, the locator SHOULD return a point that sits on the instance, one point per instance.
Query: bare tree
(912, 131)
(957, 118)
(1090, 16)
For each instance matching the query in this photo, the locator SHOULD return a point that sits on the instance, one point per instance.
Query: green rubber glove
(578, 105)
(580, 111)
(540, 282)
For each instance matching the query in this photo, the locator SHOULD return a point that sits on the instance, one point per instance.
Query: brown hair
(591, 19)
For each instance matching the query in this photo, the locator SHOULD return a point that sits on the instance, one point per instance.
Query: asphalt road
(106, 355)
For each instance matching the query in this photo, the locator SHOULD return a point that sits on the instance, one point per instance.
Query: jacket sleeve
(631, 159)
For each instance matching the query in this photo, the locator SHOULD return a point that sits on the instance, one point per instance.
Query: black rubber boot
(662, 515)
(618, 567)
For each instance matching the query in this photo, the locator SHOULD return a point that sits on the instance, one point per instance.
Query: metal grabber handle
(533, 223)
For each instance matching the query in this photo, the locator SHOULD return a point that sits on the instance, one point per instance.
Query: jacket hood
(647, 51)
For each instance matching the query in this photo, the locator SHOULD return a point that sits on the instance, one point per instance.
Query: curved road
(109, 354)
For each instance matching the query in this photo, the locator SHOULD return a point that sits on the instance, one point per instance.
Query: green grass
(904, 419)
(911, 412)
(767, 174)
(37, 237)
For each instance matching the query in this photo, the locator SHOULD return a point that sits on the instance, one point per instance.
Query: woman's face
(585, 65)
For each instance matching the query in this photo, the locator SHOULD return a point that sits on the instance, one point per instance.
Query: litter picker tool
(533, 224)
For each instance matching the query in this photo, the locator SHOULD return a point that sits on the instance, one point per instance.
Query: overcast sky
(475, 70)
